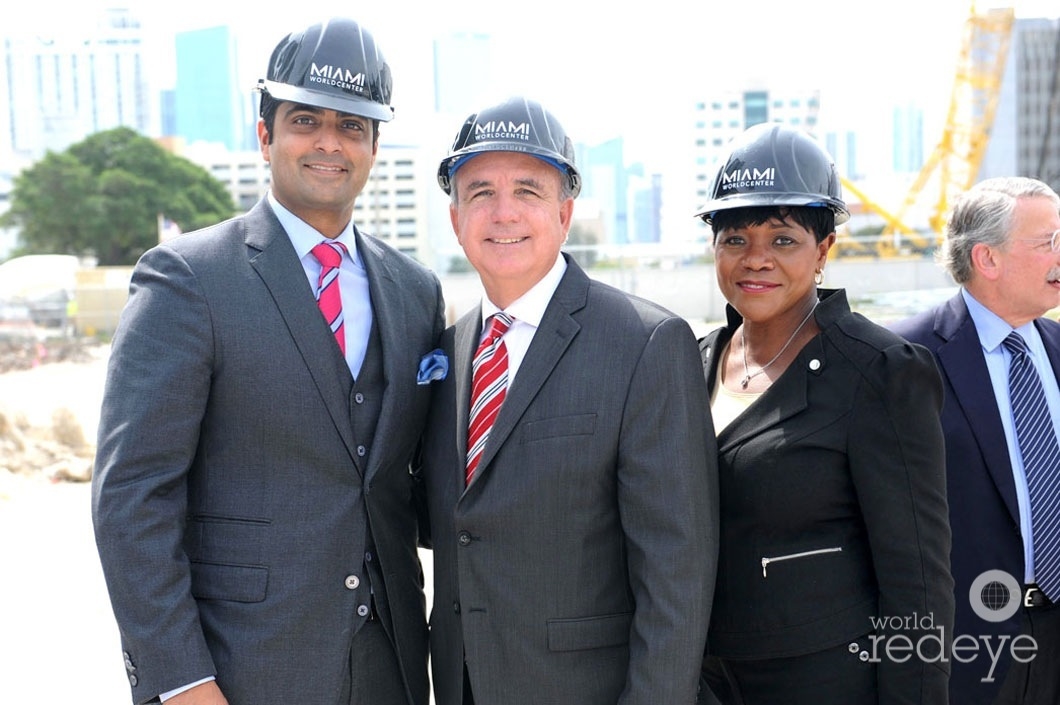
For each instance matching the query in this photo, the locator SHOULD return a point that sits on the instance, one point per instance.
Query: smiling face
(511, 218)
(766, 270)
(320, 161)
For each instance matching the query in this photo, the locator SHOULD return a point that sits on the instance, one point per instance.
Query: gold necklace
(748, 376)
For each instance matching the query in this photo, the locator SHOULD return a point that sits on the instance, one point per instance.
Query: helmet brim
(445, 169)
(353, 105)
(753, 200)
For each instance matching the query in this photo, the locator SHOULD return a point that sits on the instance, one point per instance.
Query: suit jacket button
(133, 680)
(863, 656)
(853, 647)
(352, 582)
(464, 538)
(362, 610)
(456, 608)
(359, 398)
(361, 450)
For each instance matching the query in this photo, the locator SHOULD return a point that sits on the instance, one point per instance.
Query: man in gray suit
(575, 538)
(252, 496)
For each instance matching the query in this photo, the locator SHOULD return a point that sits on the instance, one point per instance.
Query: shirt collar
(530, 307)
(305, 237)
(992, 329)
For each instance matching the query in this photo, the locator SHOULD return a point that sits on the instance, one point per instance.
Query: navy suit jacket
(984, 515)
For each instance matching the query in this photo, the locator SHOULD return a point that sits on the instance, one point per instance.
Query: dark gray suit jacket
(578, 566)
(228, 481)
(984, 512)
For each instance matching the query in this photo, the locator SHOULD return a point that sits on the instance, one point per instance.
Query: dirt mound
(48, 393)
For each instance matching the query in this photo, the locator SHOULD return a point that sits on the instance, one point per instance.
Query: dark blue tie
(1041, 455)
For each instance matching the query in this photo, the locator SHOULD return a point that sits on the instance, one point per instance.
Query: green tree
(102, 197)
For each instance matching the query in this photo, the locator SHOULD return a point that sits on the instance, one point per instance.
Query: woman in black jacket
(833, 580)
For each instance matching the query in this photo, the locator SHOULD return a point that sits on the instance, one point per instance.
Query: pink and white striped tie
(489, 383)
(329, 254)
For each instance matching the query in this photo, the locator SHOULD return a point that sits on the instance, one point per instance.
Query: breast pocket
(558, 427)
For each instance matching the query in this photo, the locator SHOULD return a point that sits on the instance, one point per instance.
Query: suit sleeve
(416, 468)
(897, 459)
(158, 382)
(668, 501)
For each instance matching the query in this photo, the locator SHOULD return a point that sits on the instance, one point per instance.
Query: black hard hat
(335, 65)
(775, 165)
(517, 125)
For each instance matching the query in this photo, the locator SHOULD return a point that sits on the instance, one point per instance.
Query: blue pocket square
(434, 366)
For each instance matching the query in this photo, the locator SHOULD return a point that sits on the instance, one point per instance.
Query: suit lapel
(961, 361)
(787, 396)
(467, 332)
(273, 257)
(558, 328)
(389, 320)
(1051, 338)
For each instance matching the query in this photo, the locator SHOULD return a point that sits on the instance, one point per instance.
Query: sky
(607, 72)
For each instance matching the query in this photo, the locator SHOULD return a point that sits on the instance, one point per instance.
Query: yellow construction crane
(953, 165)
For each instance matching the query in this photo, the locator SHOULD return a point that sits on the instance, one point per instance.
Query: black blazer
(984, 513)
(833, 504)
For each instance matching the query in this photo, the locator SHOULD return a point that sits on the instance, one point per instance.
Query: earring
(818, 277)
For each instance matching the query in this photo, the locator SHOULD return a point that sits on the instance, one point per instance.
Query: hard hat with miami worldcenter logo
(775, 165)
(335, 65)
(516, 125)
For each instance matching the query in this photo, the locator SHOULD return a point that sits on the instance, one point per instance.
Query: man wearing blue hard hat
(570, 477)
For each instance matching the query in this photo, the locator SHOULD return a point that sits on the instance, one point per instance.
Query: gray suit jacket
(578, 566)
(228, 480)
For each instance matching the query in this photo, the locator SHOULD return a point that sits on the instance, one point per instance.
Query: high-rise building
(210, 103)
(907, 153)
(842, 146)
(604, 180)
(391, 206)
(1025, 139)
(646, 205)
(68, 81)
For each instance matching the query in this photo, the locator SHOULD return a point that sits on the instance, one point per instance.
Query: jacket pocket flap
(557, 426)
(238, 583)
(589, 632)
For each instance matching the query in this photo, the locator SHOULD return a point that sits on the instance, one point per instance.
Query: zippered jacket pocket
(766, 560)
